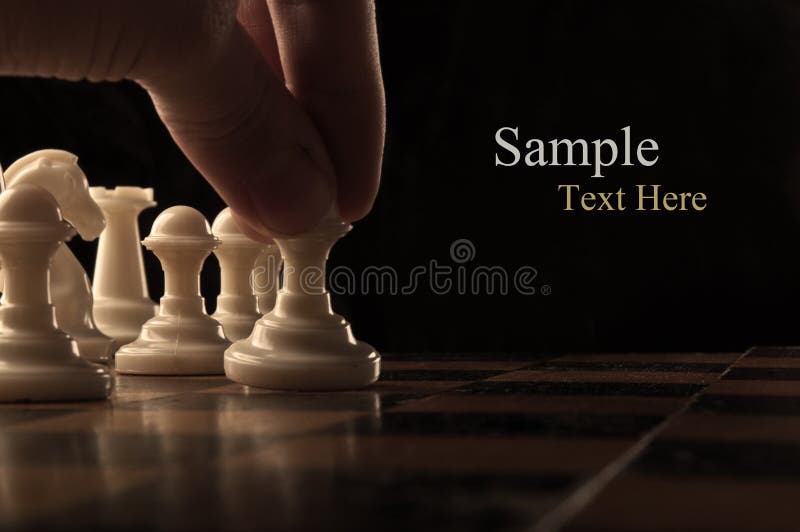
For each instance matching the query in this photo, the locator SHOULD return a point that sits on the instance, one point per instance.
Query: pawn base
(358, 366)
(162, 358)
(175, 345)
(75, 380)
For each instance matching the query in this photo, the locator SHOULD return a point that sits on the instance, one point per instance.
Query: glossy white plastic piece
(266, 277)
(301, 344)
(182, 339)
(57, 171)
(38, 361)
(237, 308)
(121, 300)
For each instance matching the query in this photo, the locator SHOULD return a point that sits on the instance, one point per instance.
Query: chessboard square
(227, 399)
(773, 351)
(734, 428)
(414, 387)
(546, 404)
(634, 366)
(690, 358)
(456, 454)
(393, 364)
(159, 422)
(362, 400)
(489, 425)
(768, 362)
(17, 414)
(255, 498)
(522, 358)
(430, 375)
(602, 375)
(130, 398)
(742, 460)
(763, 374)
(554, 387)
(635, 503)
(139, 384)
(108, 449)
(748, 404)
(30, 492)
(758, 388)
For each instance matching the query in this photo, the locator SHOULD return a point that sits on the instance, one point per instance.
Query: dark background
(715, 83)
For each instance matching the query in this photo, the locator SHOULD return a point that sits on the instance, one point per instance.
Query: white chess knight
(182, 339)
(38, 361)
(57, 171)
(121, 300)
(301, 344)
(237, 305)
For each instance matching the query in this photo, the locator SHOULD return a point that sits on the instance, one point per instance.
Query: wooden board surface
(587, 442)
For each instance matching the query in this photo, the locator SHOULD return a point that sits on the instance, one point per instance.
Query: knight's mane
(60, 156)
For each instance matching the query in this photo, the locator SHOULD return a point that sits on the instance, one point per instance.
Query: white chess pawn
(301, 344)
(121, 300)
(237, 308)
(182, 339)
(38, 361)
(266, 277)
(57, 172)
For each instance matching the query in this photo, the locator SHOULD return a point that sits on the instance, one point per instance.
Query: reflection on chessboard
(448, 442)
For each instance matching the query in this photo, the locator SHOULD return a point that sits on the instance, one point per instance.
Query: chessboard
(584, 442)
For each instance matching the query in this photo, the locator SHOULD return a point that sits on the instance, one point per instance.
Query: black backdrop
(715, 83)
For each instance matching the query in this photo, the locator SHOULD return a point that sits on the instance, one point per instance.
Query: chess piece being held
(237, 308)
(301, 344)
(57, 171)
(266, 277)
(182, 339)
(38, 361)
(121, 300)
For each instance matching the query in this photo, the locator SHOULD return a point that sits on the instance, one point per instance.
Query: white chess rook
(237, 308)
(121, 300)
(301, 344)
(38, 361)
(182, 339)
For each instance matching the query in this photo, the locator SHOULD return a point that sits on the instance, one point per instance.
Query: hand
(278, 103)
